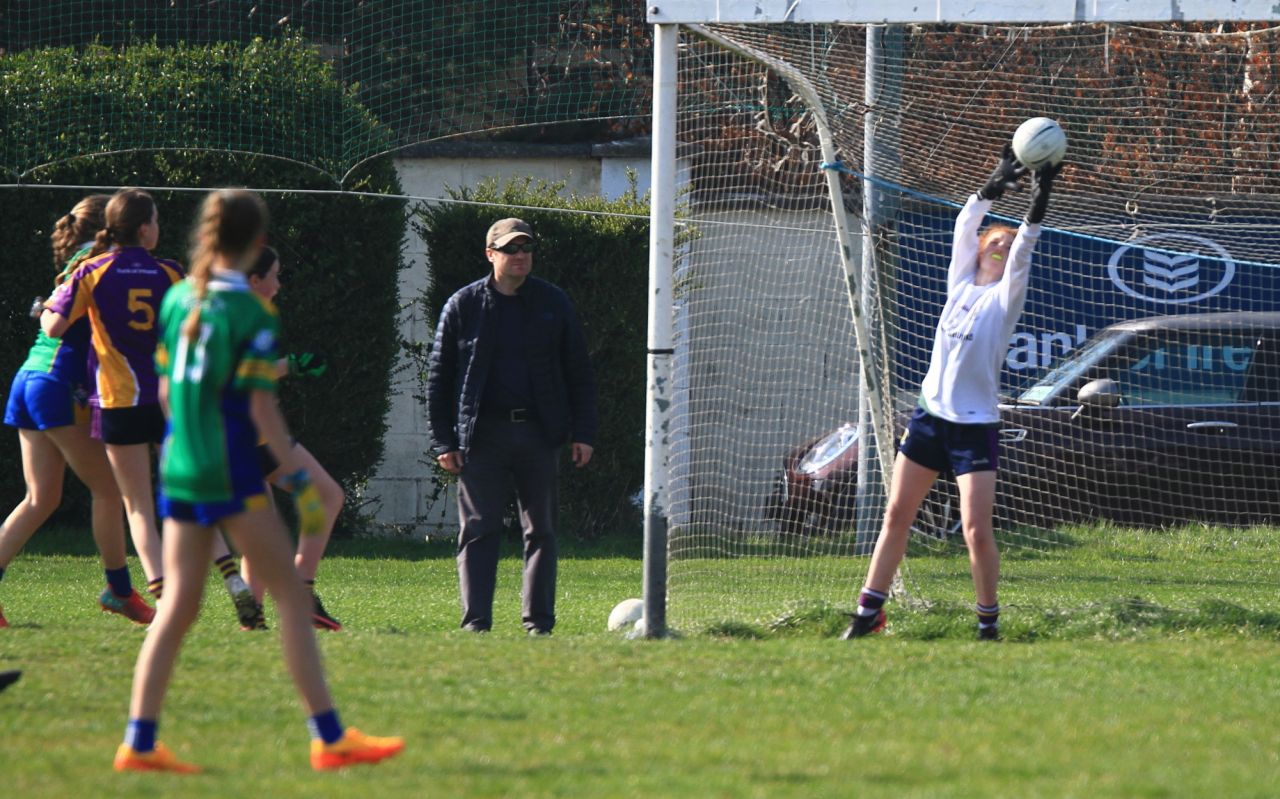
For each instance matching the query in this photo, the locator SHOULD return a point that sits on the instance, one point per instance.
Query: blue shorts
(951, 447)
(243, 476)
(208, 514)
(39, 401)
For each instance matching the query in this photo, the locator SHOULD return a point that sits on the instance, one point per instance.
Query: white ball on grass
(625, 613)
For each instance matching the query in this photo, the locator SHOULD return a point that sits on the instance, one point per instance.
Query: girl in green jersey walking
(216, 361)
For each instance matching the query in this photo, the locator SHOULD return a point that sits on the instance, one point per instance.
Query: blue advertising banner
(1081, 283)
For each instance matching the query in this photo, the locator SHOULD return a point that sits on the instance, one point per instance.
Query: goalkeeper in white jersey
(954, 428)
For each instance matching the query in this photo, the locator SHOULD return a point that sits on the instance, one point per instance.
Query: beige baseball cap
(504, 230)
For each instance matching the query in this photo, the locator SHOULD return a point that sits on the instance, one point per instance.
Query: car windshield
(1070, 368)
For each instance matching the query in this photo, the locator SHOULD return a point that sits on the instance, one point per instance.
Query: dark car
(816, 491)
(1153, 421)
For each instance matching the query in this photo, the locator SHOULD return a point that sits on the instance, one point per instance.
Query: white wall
(401, 491)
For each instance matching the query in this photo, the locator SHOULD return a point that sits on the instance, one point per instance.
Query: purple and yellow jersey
(120, 293)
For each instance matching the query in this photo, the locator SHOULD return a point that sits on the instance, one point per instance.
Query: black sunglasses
(513, 248)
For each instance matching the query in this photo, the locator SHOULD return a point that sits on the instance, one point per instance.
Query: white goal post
(766, 148)
(1001, 11)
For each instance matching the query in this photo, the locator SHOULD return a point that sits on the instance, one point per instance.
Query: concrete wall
(765, 360)
(402, 492)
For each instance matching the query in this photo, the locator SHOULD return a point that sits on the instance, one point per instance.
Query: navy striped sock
(870, 601)
(988, 616)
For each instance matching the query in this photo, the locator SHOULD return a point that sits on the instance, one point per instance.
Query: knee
(898, 518)
(176, 615)
(979, 538)
(540, 537)
(107, 499)
(333, 499)
(43, 500)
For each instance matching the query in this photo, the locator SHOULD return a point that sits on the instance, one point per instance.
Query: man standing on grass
(509, 383)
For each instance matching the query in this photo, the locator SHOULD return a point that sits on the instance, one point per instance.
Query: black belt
(517, 415)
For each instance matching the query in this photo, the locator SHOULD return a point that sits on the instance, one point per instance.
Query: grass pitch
(1119, 697)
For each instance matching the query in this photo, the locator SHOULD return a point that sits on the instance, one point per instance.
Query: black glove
(307, 364)
(1005, 175)
(1041, 187)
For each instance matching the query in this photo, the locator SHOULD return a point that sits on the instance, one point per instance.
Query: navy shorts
(208, 514)
(141, 424)
(38, 401)
(950, 447)
(268, 461)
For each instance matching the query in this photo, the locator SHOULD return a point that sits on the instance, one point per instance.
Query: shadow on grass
(1120, 618)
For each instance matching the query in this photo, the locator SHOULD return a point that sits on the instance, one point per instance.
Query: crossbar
(993, 11)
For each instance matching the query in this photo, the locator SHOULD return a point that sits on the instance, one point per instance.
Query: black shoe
(991, 633)
(864, 625)
(320, 619)
(251, 615)
(8, 678)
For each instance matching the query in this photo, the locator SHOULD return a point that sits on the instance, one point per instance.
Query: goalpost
(812, 156)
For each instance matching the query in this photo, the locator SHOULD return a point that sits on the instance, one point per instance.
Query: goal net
(1168, 208)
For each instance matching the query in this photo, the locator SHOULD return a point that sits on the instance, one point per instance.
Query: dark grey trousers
(506, 455)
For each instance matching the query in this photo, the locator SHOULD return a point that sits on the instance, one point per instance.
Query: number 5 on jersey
(140, 303)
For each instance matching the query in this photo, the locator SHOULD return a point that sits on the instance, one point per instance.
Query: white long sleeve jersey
(973, 333)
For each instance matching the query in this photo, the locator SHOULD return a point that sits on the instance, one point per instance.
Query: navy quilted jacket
(564, 387)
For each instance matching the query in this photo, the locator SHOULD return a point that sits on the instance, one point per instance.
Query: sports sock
(231, 575)
(870, 601)
(326, 726)
(119, 581)
(988, 616)
(140, 735)
(156, 588)
(227, 566)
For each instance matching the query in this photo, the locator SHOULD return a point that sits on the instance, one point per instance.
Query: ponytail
(227, 233)
(126, 212)
(74, 229)
(102, 242)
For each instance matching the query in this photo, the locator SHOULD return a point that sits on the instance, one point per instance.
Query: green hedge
(341, 253)
(601, 259)
(275, 98)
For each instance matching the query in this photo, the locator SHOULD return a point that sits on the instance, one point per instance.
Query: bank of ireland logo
(1172, 268)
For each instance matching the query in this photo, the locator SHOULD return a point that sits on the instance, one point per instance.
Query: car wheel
(939, 516)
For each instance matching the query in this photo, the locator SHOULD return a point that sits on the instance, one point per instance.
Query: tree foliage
(341, 252)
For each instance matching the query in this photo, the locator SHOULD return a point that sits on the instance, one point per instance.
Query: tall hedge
(597, 250)
(341, 253)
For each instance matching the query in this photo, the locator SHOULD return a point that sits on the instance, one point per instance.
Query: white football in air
(1039, 141)
(626, 613)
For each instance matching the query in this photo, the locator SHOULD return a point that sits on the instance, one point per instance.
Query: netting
(420, 71)
(1168, 207)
